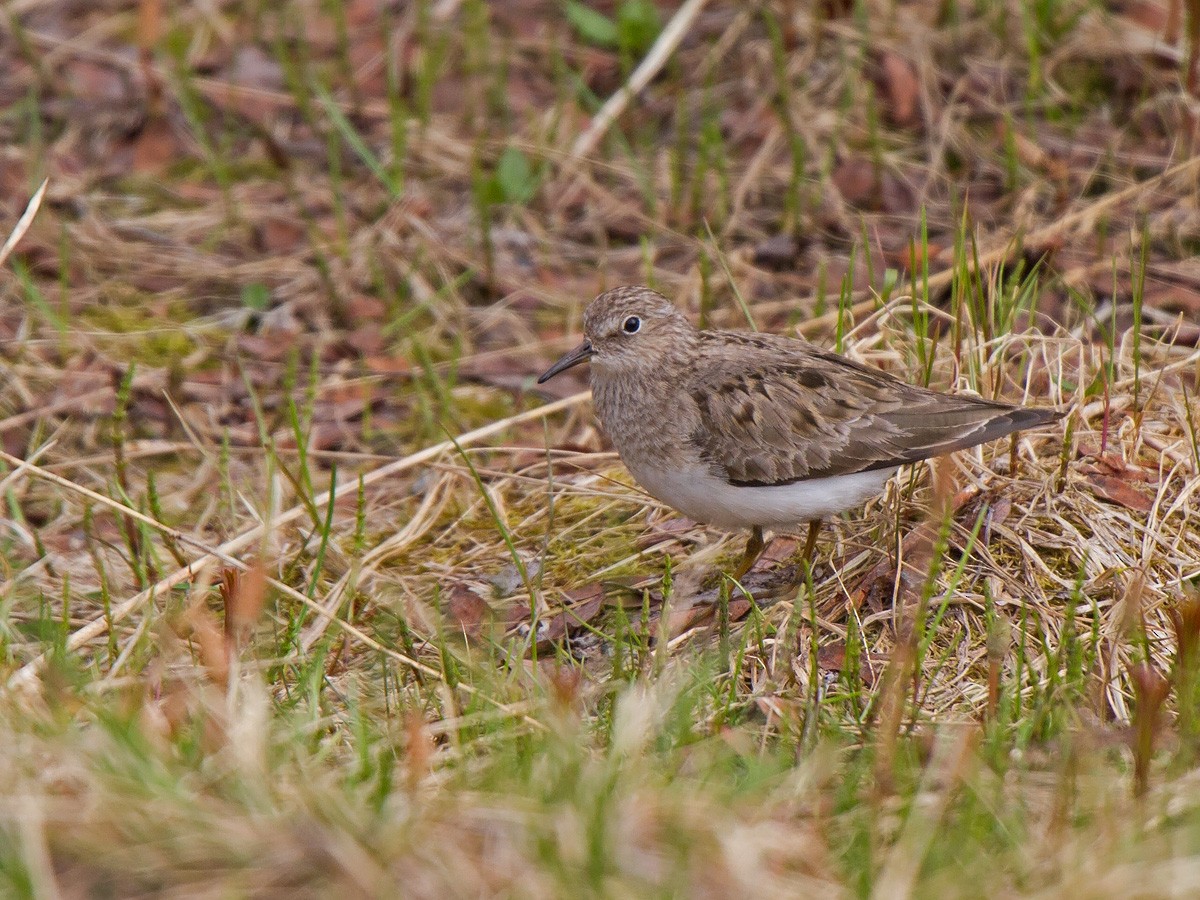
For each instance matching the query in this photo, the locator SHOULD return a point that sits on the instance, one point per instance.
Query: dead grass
(280, 311)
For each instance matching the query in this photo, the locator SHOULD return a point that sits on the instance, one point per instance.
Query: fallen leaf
(200, 627)
(584, 604)
(896, 197)
(364, 306)
(856, 180)
(279, 235)
(467, 611)
(900, 88)
(1111, 464)
(155, 148)
(243, 594)
(701, 613)
(366, 340)
(779, 550)
(388, 365)
(669, 528)
(1174, 298)
(509, 580)
(98, 82)
(1118, 491)
(832, 656)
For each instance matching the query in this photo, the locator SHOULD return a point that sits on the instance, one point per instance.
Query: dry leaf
(584, 604)
(856, 180)
(467, 611)
(281, 236)
(155, 148)
(900, 88)
(243, 594)
(1118, 491)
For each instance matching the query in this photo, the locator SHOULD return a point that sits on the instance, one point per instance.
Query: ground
(305, 586)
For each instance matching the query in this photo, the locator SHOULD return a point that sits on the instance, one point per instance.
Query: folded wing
(802, 413)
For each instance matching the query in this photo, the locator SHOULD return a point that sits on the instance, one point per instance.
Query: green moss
(146, 335)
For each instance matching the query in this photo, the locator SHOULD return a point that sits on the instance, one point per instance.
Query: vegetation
(305, 587)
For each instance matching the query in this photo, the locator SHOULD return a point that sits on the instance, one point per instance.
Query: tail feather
(941, 437)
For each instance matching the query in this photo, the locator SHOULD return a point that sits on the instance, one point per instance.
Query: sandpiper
(761, 431)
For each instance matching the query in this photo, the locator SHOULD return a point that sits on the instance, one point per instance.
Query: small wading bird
(761, 431)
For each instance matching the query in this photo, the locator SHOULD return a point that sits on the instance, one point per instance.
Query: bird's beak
(580, 354)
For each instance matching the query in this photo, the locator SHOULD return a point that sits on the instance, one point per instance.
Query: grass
(304, 588)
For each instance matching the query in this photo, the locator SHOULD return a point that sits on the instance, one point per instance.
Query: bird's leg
(814, 528)
(754, 548)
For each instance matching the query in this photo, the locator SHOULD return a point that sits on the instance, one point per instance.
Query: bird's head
(627, 329)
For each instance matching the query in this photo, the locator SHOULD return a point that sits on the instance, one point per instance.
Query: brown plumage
(758, 430)
(777, 410)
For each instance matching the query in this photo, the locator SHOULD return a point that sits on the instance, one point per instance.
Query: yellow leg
(754, 547)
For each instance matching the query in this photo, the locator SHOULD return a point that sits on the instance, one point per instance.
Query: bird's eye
(632, 325)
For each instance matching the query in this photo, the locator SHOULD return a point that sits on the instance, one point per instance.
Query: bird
(751, 430)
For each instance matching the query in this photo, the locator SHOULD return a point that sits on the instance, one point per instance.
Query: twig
(667, 41)
(23, 223)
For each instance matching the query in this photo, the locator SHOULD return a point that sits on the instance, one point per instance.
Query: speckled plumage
(745, 429)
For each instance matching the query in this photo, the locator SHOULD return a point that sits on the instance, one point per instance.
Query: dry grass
(303, 589)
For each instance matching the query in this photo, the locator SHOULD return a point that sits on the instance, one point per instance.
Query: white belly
(702, 496)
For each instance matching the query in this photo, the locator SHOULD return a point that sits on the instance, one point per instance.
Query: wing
(776, 412)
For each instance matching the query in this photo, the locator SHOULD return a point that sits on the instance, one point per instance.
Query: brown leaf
(419, 748)
(243, 594)
(1118, 491)
(1150, 689)
(155, 148)
(779, 550)
(1030, 153)
(281, 236)
(660, 531)
(1174, 298)
(896, 196)
(97, 82)
(856, 180)
(363, 307)
(833, 658)
(900, 88)
(468, 611)
(1111, 464)
(681, 620)
(270, 346)
(584, 604)
(366, 340)
(388, 365)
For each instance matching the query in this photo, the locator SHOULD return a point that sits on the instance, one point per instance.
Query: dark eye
(632, 325)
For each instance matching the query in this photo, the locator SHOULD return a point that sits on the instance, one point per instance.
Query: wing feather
(778, 411)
